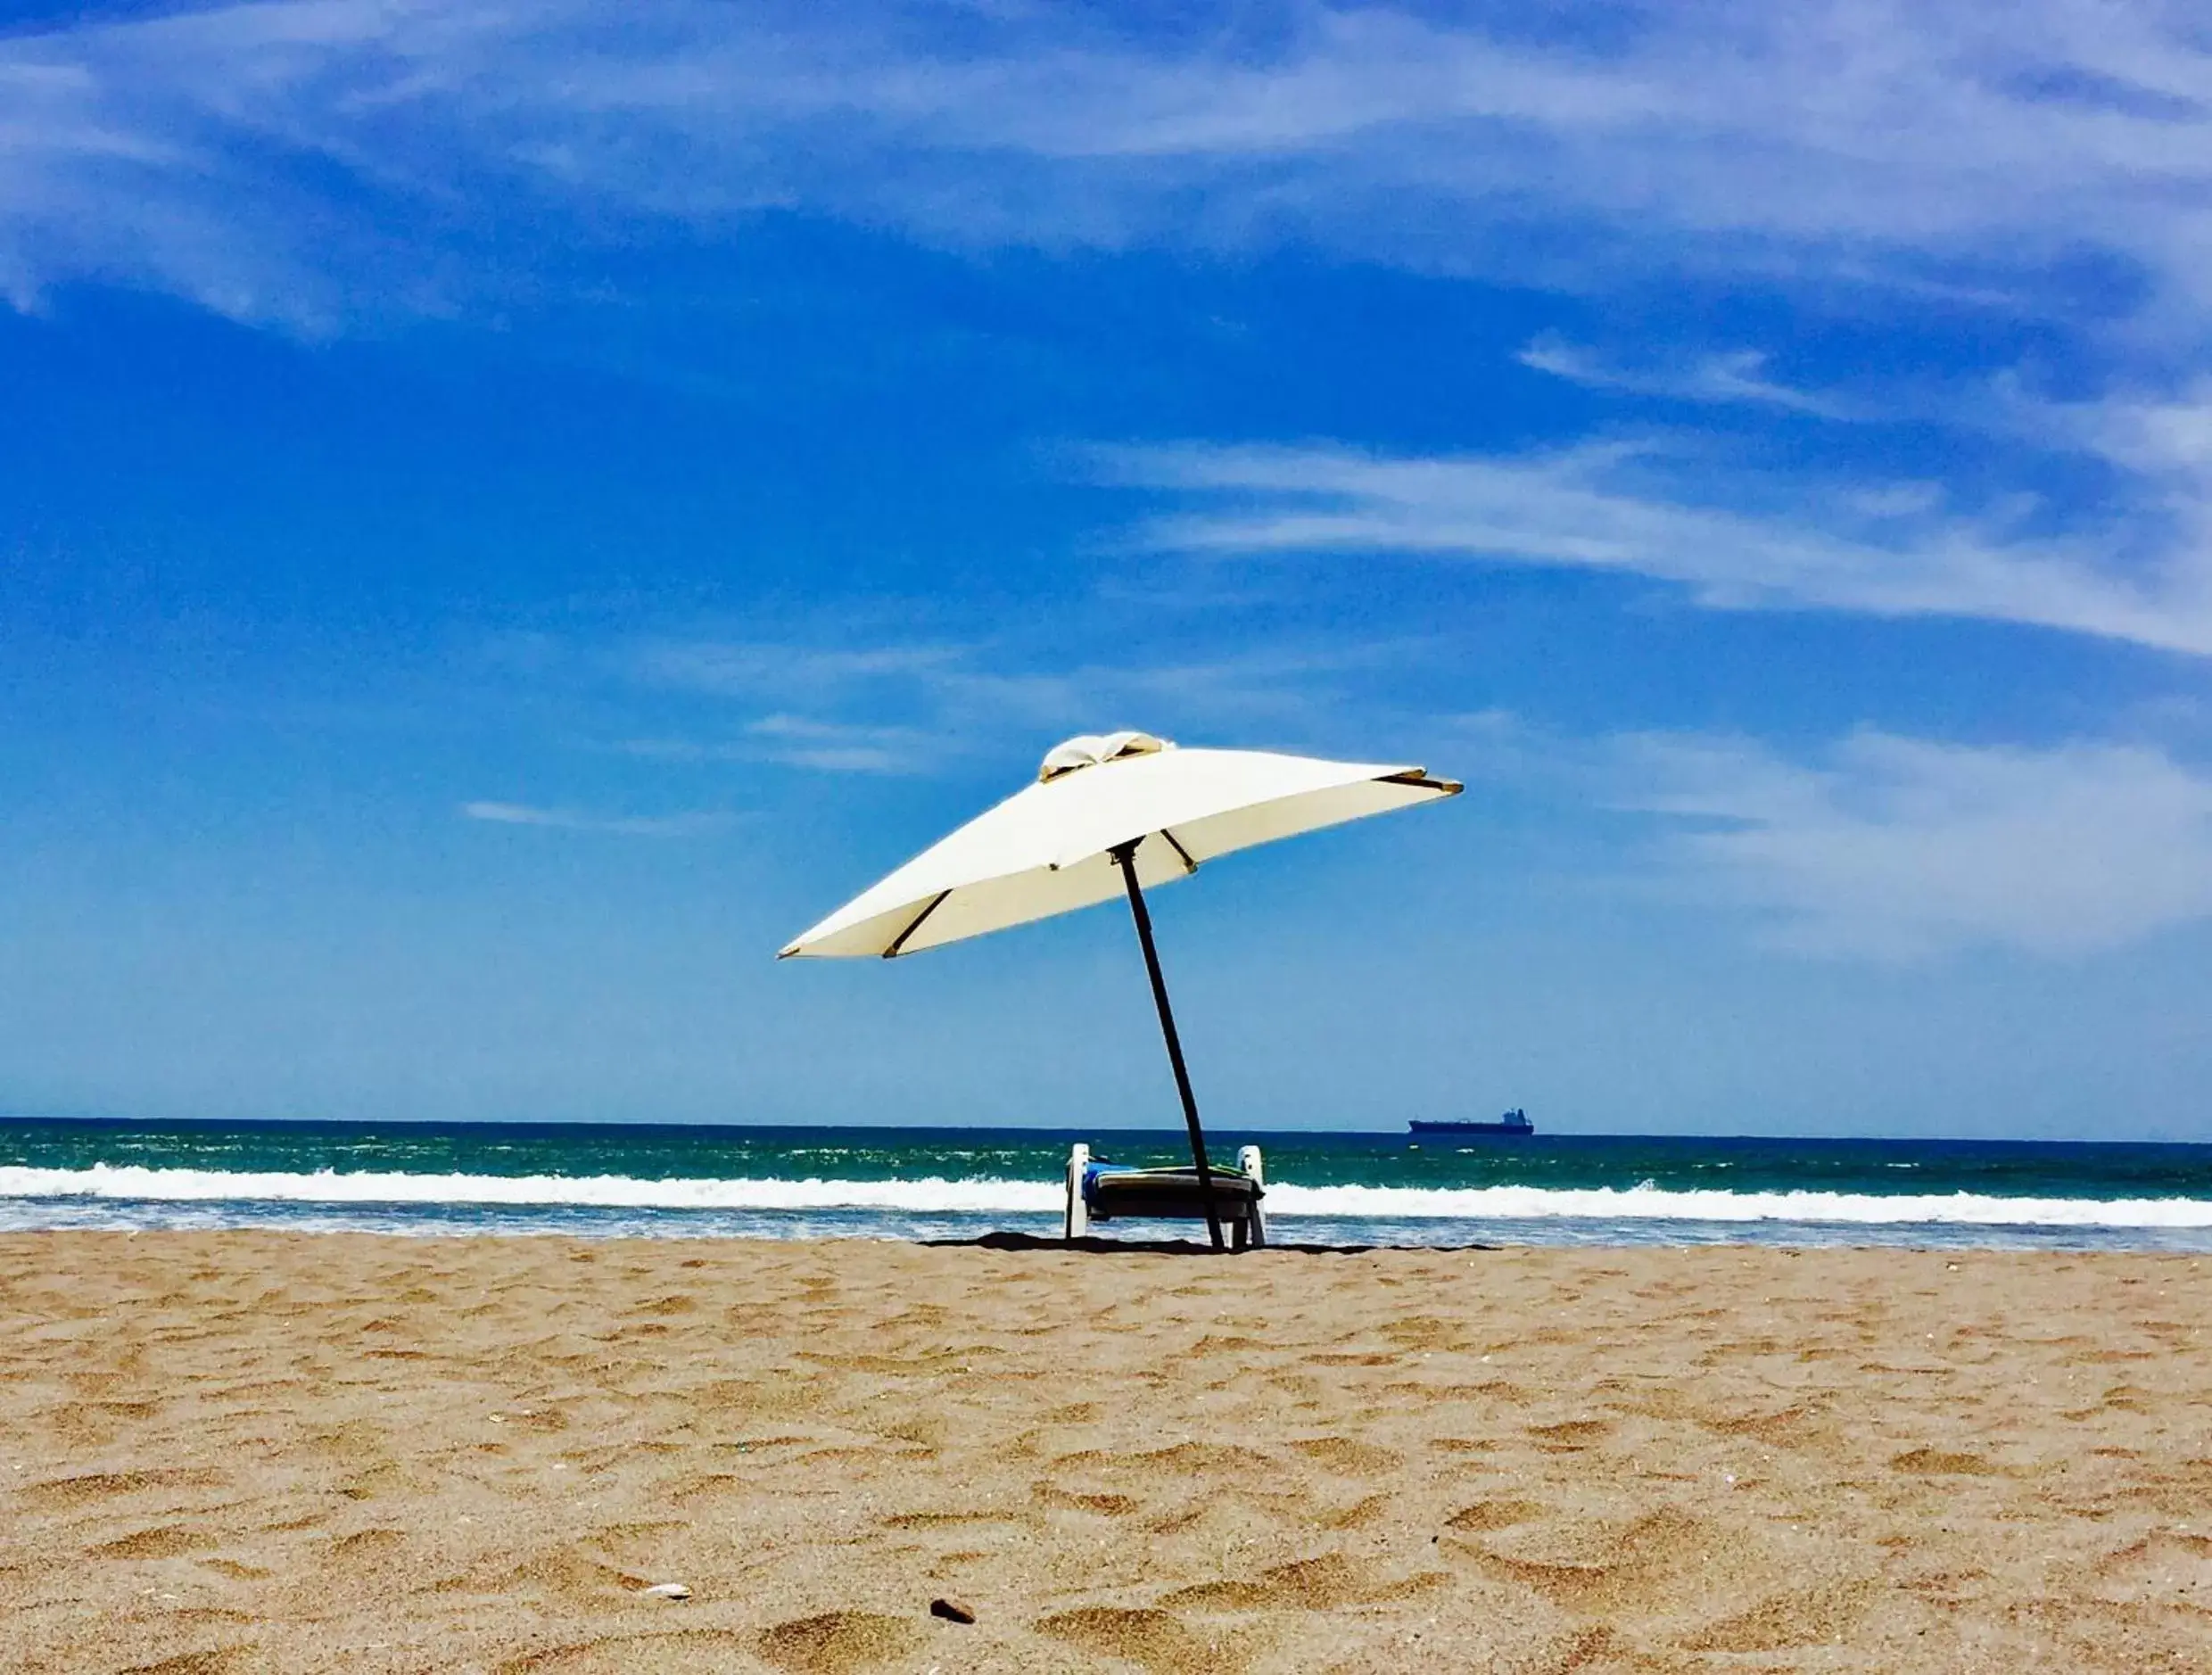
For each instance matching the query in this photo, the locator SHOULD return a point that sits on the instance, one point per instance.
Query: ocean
(1330, 1189)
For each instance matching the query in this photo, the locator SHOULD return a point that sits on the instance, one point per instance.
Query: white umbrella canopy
(1109, 814)
(1051, 848)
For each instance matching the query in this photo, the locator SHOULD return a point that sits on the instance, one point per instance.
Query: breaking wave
(937, 1196)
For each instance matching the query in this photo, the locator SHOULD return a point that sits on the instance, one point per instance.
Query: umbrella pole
(1124, 857)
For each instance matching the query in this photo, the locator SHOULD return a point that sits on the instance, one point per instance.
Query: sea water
(1331, 1189)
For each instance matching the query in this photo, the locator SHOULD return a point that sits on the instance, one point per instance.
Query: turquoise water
(1323, 1188)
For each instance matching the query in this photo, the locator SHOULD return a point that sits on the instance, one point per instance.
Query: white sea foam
(1653, 1203)
(940, 1196)
(603, 1191)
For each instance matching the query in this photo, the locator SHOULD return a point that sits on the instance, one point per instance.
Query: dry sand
(241, 1451)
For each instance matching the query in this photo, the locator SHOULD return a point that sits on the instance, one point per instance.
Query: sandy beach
(254, 1451)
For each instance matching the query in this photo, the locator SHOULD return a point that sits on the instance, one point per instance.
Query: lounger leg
(1079, 1212)
(1247, 1158)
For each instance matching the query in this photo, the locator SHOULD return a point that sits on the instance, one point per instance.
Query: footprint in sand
(1804, 1617)
(1630, 1569)
(1789, 1428)
(1347, 1454)
(1107, 1505)
(641, 1542)
(1495, 1514)
(2172, 1563)
(1463, 1445)
(563, 1572)
(1570, 1435)
(236, 1572)
(219, 1662)
(81, 1490)
(948, 1520)
(168, 1541)
(1360, 1515)
(685, 1652)
(365, 1554)
(1426, 1331)
(1318, 1584)
(838, 1641)
(120, 1410)
(1196, 1459)
(1152, 1639)
(1942, 1462)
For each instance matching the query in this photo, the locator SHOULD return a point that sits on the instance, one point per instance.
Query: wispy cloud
(800, 741)
(867, 690)
(2162, 440)
(782, 669)
(1735, 537)
(889, 706)
(297, 159)
(1900, 848)
(1733, 376)
(687, 825)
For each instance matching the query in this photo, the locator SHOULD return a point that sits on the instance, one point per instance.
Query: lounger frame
(1172, 1194)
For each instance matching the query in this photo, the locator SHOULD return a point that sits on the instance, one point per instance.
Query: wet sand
(247, 1451)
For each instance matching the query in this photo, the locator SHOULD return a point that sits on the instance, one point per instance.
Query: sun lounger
(1101, 1191)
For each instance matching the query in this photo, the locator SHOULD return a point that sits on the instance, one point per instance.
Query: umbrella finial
(1089, 750)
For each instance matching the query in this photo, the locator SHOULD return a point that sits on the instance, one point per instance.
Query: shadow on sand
(1171, 1247)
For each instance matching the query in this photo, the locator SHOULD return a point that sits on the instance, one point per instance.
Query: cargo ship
(1514, 1124)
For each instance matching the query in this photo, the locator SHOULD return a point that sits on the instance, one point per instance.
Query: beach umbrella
(1109, 815)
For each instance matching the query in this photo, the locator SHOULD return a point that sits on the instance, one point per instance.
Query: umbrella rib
(914, 924)
(1189, 865)
(1421, 780)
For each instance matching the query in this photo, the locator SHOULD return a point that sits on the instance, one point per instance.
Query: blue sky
(508, 514)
